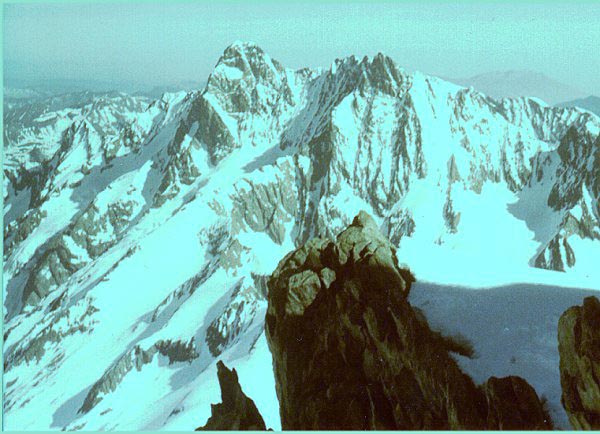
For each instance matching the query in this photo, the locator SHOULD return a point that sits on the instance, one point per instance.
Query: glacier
(139, 233)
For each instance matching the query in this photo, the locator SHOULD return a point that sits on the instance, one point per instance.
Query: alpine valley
(139, 234)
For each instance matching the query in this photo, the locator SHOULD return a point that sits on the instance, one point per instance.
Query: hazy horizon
(154, 44)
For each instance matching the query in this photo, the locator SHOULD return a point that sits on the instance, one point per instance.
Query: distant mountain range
(591, 103)
(23, 88)
(501, 84)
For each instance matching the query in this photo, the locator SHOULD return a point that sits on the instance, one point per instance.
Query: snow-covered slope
(138, 235)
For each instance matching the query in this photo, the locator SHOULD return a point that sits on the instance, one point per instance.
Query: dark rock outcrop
(349, 352)
(579, 348)
(237, 411)
(514, 405)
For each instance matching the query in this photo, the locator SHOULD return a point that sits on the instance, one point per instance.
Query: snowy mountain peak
(239, 48)
(378, 73)
(245, 60)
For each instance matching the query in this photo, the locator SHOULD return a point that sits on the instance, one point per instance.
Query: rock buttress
(349, 352)
(579, 348)
(237, 412)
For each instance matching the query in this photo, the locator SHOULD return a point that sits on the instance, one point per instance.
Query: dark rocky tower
(349, 351)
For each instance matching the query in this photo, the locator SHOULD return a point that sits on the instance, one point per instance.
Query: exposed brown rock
(349, 352)
(514, 405)
(579, 348)
(237, 412)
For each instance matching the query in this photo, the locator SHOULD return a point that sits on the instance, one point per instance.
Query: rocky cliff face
(237, 412)
(349, 352)
(579, 347)
(575, 193)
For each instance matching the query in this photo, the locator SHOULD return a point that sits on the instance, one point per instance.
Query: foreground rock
(237, 411)
(579, 348)
(349, 352)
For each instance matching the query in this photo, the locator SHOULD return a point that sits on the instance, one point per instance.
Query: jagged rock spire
(237, 412)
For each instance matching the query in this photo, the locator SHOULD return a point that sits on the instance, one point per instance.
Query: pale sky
(162, 43)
